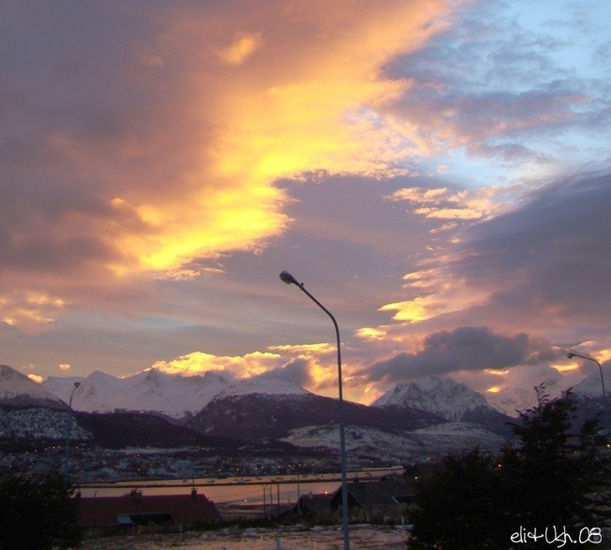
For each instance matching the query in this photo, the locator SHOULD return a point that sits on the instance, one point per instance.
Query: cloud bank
(464, 348)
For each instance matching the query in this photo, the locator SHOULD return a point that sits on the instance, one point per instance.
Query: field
(286, 538)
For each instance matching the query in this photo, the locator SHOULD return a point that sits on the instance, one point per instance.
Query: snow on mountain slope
(96, 393)
(156, 391)
(359, 440)
(441, 396)
(262, 386)
(150, 391)
(18, 390)
(173, 395)
(40, 423)
(61, 386)
(409, 446)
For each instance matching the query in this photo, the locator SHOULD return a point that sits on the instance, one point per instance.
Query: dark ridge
(258, 416)
(125, 429)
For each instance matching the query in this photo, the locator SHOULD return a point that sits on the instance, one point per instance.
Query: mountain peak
(18, 390)
(438, 395)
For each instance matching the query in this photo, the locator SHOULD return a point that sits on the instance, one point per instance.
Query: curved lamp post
(286, 277)
(69, 436)
(572, 354)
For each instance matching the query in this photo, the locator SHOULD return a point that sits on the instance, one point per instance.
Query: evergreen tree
(458, 505)
(553, 474)
(37, 512)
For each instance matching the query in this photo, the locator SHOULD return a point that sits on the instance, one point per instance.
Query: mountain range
(154, 407)
(152, 391)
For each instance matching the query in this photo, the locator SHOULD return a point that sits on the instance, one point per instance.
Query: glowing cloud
(30, 311)
(435, 294)
(445, 204)
(242, 47)
(313, 105)
(240, 366)
(372, 334)
(305, 349)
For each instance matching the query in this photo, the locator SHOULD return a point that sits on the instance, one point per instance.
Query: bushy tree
(457, 505)
(554, 475)
(37, 512)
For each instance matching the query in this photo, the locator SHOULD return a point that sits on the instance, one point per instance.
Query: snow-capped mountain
(18, 390)
(61, 386)
(151, 391)
(441, 396)
(174, 395)
(262, 386)
(266, 407)
(97, 392)
(517, 392)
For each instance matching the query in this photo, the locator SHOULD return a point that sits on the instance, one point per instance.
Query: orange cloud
(242, 47)
(202, 113)
(241, 366)
(301, 106)
(317, 359)
(30, 310)
(305, 349)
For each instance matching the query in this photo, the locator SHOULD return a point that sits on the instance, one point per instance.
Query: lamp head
(76, 385)
(287, 278)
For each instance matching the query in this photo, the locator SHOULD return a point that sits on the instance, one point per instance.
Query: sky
(437, 173)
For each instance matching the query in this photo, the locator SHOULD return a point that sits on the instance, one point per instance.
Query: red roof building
(138, 509)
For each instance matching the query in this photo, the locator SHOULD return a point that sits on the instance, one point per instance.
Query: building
(137, 509)
(313, 505)
(387, 491)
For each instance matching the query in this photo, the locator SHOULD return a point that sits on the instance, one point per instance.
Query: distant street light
(286, 277)
(602, 380)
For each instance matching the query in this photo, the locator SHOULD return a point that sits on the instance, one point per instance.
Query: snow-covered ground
(40, 423)
(366, 537)
(447, 437)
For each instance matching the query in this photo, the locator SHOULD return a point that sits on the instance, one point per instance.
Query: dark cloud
(297, 372)
(465, 348)
(548, 257)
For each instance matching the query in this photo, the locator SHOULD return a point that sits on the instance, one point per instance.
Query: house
(387, 491)
(313, 505)
(138, 509)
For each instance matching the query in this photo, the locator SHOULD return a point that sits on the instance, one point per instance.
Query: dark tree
(458, 505)
(556, 474)
(553, 476)
(37, 512)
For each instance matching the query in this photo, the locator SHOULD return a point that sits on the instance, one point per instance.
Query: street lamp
(287, 278)
(572, 354)
(69, 435)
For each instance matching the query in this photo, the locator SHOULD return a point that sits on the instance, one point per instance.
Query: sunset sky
(436, 173)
